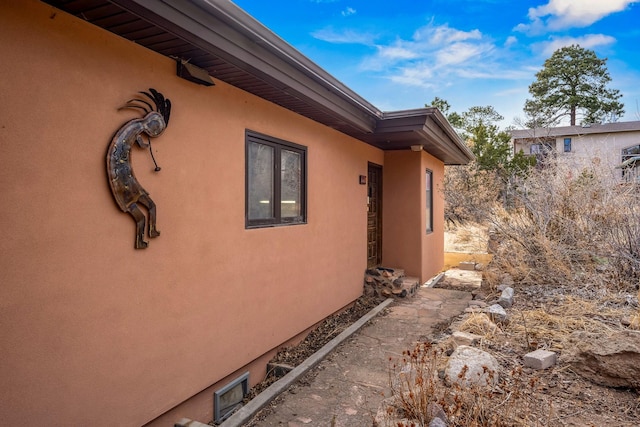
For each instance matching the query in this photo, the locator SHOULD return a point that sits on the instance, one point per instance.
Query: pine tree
(572, 82)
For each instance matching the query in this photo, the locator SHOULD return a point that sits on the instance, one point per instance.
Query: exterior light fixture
(192, 73)
(417, 147)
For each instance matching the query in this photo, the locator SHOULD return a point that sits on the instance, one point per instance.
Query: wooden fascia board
(199, 22)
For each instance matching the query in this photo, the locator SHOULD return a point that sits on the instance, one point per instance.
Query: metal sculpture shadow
(126, 189)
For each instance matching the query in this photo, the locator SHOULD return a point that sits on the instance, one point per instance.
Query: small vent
(229, 398)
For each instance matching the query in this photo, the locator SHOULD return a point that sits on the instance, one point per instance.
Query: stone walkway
(348, 386)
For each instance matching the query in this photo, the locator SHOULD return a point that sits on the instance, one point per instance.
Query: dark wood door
(374, 216)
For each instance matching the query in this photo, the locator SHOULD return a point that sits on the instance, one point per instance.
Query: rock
(464, 338)
(479, 266)
(506, 298)
(481, 367)
(477, 303)
(437, 422)
(540, 359)
(497, 313)
(502, 287)
(467, 265)
(436, 412)
(609, 359)
(478, 295)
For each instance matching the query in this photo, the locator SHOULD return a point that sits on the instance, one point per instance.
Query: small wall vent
(229, 398)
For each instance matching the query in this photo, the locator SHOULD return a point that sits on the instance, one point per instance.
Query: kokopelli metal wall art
(126, 189)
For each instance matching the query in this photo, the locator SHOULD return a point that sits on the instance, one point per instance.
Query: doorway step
(389, 282)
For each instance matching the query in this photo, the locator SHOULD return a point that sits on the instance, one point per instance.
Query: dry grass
(420, 395)
(548, 327)
(479, 324)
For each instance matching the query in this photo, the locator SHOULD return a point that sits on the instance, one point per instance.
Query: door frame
(373, 168)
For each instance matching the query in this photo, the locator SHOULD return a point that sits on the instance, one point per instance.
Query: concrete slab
(464, 279)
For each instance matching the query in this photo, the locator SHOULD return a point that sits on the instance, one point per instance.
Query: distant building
(613, 146)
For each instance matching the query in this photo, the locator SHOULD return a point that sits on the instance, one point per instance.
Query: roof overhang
(219, 37)
(575, 131)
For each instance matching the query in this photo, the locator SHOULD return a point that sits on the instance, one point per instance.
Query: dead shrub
(419, 395)
(566, 226)
(469, 193)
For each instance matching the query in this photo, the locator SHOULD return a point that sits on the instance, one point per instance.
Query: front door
(374, 216)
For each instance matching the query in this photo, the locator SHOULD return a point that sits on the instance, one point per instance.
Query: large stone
(497, 313)
(540, 359)
(609, 358)
(506, 298)
(467, 265)
(481, 367)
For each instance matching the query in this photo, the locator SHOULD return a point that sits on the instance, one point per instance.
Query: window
(429, 200)
(275, 181)
(630, 160)
(630, 152)
(567, 145)
(543, 148)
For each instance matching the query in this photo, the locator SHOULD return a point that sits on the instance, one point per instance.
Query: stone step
(390, 282)
(406, 286)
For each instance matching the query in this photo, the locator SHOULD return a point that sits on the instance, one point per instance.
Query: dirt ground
(566, 398)
(562, 394)
(552, 313)
(330, 328)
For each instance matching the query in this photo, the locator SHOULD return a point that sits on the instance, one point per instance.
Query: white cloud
(434, 53)
(396, 52)
(459, 53)
(511, 40)
(419, 75)
(348, 11)
(588, 41)
(328, 34)
(434, 56)
(443, 34)
(562, 14)
(503, 74)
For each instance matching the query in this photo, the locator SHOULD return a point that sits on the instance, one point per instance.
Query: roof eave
(222, 30)
(426, 127)
(225, 30)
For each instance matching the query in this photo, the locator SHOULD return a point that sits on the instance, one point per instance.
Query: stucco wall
(433, 243)
(602, 150)
(95, 332)
(406, 243)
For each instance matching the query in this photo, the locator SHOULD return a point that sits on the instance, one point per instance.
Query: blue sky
(400, 54)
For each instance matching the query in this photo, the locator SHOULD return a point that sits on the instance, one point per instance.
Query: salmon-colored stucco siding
(406, 242)
(95, 332)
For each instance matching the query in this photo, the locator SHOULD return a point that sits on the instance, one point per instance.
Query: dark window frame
(567, 144)
(429, 200)
(278, 145)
